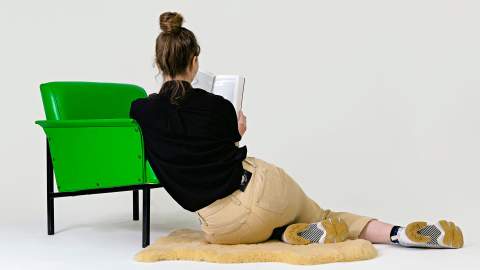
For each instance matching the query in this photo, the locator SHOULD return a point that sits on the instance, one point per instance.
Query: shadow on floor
(163, 222)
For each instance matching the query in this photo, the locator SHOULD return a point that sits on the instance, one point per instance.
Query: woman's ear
(194, 60)
(194, 64)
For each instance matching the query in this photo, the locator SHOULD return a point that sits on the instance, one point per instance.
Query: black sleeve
(229, 120)
(130, 114)
(134, 108)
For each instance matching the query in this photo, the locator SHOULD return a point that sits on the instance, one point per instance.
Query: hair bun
(170, 22)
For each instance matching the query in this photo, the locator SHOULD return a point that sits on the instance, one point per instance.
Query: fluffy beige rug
(187, 244)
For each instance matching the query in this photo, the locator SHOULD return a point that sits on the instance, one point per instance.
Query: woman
(191, 141)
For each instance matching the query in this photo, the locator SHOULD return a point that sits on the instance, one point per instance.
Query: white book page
(204, 80)
(231, 88)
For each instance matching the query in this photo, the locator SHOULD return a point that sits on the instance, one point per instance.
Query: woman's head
(176, 49)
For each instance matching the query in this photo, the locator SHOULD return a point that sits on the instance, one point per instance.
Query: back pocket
(272, 190)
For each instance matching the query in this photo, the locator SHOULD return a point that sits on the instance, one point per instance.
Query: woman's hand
(242, 123)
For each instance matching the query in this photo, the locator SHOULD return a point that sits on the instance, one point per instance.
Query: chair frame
(51, 195)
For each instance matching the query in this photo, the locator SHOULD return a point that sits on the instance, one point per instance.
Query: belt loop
(250, 164)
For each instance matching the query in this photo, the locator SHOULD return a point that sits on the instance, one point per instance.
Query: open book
(229, 86)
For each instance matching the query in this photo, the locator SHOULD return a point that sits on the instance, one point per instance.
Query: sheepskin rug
(188, 244)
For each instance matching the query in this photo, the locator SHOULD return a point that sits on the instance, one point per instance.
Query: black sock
(278, 232)
(393, 234)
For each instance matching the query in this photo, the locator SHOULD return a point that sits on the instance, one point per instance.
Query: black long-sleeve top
(191, 146)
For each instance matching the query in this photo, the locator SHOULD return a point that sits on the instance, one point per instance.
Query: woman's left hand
(242, 123)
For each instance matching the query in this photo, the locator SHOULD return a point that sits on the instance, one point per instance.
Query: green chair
(93, 146)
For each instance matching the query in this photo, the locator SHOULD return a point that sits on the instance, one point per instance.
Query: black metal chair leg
(51, 196)
(146, 217)
(135, 204)
(50, 208)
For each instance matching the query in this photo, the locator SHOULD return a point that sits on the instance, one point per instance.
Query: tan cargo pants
(272, 199)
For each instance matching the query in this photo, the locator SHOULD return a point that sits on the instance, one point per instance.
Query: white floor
(106, 239)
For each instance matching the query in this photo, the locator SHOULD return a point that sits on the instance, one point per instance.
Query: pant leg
(272, 199)
(314, 213)
(355, 222)
(308, 211)
(277, 201)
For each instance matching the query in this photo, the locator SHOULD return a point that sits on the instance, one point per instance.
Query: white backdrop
(372, 106)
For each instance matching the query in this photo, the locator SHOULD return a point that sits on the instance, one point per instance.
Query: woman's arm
(231, 126)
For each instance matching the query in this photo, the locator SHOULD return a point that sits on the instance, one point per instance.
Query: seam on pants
(202, 220)
(247, 204)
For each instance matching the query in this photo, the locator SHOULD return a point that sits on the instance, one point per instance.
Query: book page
(204, 80)
(231, 88)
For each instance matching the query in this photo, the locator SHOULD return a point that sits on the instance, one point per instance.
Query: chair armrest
(96, 153)
(116, 122)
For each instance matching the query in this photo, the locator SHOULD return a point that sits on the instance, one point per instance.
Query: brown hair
(175, 46)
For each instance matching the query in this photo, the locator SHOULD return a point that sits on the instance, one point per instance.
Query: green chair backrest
(88, 100)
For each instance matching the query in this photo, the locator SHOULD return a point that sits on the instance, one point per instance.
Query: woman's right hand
(242, 123)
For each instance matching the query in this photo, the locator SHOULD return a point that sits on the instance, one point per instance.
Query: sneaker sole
(452, 235)
(336, 231)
